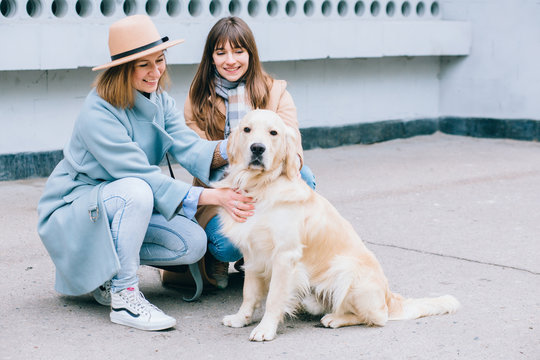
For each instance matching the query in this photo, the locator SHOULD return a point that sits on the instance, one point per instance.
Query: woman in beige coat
(229, 82)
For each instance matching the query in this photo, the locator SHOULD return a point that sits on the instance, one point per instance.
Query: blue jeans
(308, 177)
(220, 246)
(142, 236)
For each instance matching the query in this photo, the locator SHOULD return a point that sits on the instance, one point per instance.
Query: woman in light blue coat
(107, 207)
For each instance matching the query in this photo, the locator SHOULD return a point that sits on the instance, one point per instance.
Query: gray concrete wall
(349, 91)
(39, 107)
(346, 62)
(500, 77)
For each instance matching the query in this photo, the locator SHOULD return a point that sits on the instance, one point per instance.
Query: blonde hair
(202, 91)
(115, 85)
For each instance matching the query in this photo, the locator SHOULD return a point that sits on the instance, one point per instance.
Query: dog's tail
(400, 308)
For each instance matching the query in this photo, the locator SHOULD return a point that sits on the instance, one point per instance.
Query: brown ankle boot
(218, 270)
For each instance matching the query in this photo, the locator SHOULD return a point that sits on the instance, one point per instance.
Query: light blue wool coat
(109, 144)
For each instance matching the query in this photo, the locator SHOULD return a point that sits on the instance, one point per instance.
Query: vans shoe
(130, 308)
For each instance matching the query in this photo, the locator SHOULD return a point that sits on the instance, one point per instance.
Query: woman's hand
(240, 207)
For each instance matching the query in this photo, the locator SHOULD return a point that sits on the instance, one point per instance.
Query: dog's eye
(246, 129)
(273, 132)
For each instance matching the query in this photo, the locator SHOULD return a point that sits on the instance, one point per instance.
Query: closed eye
(273, 132)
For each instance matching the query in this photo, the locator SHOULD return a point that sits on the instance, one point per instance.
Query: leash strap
(170, 167)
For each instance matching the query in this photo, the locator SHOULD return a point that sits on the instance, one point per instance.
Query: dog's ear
(232, 147)
(292, 161)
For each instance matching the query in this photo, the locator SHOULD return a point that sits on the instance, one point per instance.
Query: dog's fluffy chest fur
(270, 229)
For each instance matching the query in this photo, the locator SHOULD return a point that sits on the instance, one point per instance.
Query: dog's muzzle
(257, 151)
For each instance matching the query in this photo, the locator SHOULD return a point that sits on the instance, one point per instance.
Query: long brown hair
(202, 90)
(115, 85)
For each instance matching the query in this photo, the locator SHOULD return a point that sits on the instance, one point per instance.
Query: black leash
(170, 167)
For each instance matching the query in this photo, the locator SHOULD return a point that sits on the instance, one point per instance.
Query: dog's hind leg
(253, 292)
(367, 309)
(338, 320)
(368, 317)
(365, 303)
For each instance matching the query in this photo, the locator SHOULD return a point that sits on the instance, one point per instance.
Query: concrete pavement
(444, 215)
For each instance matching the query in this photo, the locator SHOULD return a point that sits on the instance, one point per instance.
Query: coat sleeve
(192, 152)
(107, 139)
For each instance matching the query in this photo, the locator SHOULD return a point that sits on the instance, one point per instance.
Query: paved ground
(444, 215)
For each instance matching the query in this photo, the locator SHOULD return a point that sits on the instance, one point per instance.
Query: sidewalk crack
(453, 257)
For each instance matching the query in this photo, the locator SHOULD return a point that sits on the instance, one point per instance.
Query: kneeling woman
(229, 82)
(107, 207)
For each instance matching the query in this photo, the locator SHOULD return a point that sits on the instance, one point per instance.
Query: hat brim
(138, 55)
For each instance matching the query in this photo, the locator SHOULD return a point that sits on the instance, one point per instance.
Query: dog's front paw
(263, 333)
(236, 320)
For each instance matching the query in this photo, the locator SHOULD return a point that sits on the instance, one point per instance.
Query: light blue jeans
(221, 247)
(142, 236)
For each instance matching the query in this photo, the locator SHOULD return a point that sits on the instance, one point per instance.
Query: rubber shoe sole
(122, 317)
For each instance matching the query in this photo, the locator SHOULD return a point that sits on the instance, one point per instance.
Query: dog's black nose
(257, 148)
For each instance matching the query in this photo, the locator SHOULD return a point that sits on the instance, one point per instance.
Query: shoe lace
(139, 302)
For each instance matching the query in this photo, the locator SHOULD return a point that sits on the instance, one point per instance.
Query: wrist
(208, 197)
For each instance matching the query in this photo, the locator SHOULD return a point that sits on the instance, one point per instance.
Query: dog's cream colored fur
(298, 250)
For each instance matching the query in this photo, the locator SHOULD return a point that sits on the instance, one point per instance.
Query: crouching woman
(107, 207)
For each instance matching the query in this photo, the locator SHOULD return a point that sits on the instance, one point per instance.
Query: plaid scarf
(234, 94)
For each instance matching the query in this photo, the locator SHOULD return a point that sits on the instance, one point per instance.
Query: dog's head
(263, 143)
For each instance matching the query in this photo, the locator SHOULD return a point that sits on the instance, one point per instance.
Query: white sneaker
(130, 308)
(102, 294)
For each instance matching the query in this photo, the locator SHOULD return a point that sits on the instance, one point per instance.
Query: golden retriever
(298, 250)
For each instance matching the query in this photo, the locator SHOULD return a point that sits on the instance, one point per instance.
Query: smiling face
(231, 63)
(147, 72)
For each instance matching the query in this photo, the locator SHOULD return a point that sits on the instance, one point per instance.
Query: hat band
(139, 49)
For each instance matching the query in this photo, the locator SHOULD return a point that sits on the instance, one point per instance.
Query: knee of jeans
(166, 246)
(197, 247)
(218, 244)
(225, 251)
(140, 193)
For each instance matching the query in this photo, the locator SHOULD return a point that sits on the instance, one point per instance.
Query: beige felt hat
(134, 37)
